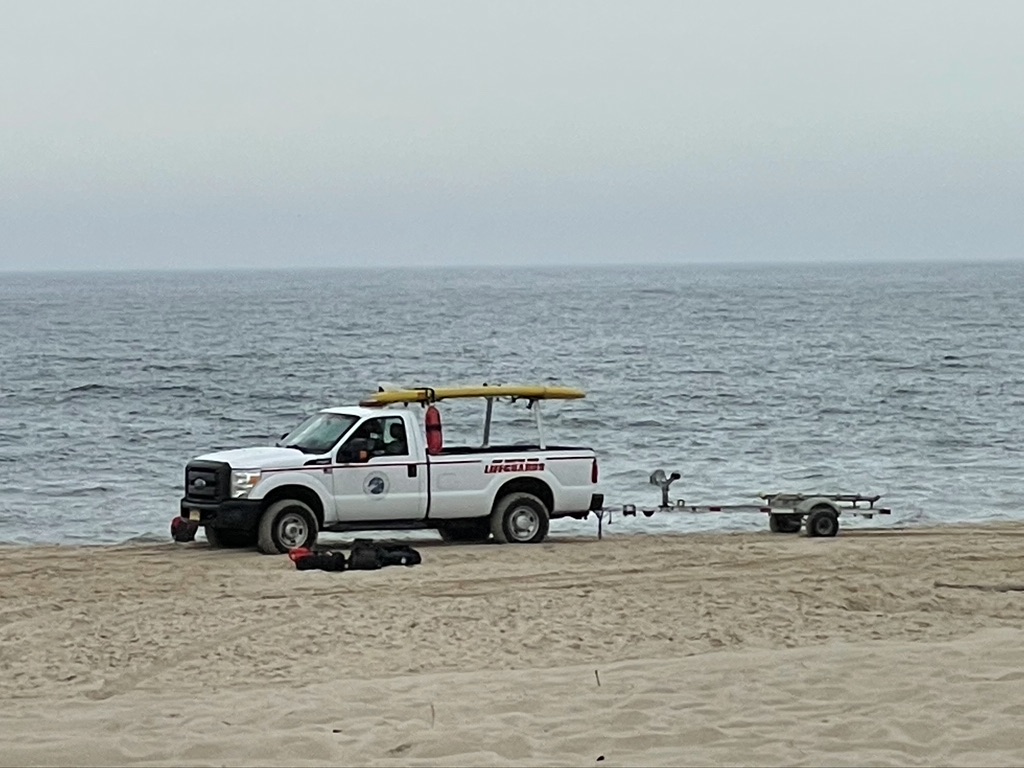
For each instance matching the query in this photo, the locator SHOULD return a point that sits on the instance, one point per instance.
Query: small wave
(654, 292)
(643, 423)
(84, 390)
(81, 491)
(834, 411)
(172, 388)
(583, 421)
(807, 473)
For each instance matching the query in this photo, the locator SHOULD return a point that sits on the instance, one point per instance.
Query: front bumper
(239, 514)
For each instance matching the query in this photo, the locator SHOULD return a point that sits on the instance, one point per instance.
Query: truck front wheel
(519, 518)
(285, 525)
(229, 538)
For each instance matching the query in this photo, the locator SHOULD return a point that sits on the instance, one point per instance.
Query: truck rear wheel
(229, 538)
(285, 525)
(474, 531)
(519, 518)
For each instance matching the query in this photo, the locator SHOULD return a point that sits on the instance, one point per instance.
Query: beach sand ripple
(875, 648)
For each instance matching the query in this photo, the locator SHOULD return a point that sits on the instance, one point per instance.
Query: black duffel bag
(368, 555)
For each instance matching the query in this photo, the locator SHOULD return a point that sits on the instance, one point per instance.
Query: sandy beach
(875, 648)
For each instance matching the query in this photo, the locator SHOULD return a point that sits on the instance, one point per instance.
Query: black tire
(519, 518)
(286, 525)
(230, 538)
(475, 531)
(822, 521)
(783, 523)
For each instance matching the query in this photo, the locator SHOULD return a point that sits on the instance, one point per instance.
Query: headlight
(243, 481)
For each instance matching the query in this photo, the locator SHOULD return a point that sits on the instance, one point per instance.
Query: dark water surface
(903, 380)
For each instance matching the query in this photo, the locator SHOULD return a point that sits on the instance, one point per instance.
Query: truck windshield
(319, 433)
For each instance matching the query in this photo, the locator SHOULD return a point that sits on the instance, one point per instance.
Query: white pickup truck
(383, 465)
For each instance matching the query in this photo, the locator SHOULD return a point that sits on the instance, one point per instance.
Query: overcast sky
(241, 133)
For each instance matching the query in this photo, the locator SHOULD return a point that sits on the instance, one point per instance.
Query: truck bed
(470, 450)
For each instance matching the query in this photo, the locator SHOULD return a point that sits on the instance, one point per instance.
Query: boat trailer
(818, 514)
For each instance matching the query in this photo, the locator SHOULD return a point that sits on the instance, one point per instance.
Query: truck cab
(373, 467)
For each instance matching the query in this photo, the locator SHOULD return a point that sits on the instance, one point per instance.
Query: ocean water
(903, 380)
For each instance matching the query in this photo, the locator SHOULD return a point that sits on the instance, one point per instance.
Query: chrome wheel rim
(523, 523)
(292, 530)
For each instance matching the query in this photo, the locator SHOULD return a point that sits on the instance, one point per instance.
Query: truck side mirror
(355, 451)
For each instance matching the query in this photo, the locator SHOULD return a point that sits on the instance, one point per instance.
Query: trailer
(817, 514)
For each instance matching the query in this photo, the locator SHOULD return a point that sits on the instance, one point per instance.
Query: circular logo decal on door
(376, 484)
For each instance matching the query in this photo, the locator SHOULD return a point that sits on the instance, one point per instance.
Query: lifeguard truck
(384, 465)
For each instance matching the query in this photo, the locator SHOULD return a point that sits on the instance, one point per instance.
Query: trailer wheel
(783, 523)
(822, 521)
(475, 531)
(230, 538)
(285, 525)
(519, 518)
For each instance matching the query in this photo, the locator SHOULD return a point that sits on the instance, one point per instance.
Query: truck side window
(386, 436)
(394, 440)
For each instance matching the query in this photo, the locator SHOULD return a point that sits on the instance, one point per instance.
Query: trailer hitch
(658, 478)
(663, 481)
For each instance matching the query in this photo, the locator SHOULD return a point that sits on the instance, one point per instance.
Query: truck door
(391, 484)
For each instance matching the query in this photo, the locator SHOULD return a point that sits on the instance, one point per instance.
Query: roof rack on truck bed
(432, 395)
(427, 396)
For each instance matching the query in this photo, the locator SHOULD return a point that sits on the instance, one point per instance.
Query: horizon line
(590, 265)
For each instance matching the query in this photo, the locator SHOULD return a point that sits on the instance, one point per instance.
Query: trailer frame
(816, 513)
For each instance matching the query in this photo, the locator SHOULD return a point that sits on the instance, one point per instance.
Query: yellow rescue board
(445, 393)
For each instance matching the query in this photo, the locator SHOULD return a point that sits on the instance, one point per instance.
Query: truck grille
(207, 481)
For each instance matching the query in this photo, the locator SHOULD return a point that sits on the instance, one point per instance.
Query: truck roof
(352, 410)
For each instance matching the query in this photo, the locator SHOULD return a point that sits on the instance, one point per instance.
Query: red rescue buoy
(432, 423)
